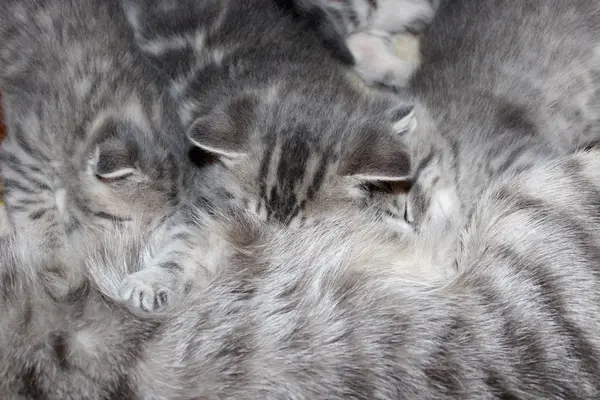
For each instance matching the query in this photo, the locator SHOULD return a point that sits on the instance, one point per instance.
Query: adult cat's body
(89, 139)
(295, 317)
(294, 137)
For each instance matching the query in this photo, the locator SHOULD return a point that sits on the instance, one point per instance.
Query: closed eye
(115, 175)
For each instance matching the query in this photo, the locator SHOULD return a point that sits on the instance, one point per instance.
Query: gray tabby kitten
(360, 32)
(313, 313)
(293, 138)
(486, 108)
(506, 84)
(89, 140)
(502, 85)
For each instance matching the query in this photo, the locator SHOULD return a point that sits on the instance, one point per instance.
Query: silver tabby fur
(292, 136)
(292, 317)
(90, 143)
(503, 86)
(361, 32)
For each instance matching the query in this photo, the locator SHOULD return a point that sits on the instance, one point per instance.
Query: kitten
(294, 139)
(90, 142)
(361, 32)
(503, 86)
(310, 313)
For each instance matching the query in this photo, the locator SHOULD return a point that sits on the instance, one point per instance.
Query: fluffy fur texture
(315, 313)
(361, 32)
(503, 86)
(293, 138)
(90, 142)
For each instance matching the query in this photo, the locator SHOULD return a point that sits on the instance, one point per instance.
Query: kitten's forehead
(290, 170)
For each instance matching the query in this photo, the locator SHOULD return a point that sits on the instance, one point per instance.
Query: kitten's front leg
(189, 255)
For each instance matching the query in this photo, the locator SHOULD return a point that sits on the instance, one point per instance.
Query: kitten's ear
(381, 155)
(377, 157)
(225, 131)
(115, 152)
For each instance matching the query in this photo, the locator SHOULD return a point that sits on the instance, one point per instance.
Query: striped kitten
(504, 85)
(361, 32)
(293, 137)
(311, 312)
(89, 141)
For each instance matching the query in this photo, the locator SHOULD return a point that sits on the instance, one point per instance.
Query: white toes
(145, 290)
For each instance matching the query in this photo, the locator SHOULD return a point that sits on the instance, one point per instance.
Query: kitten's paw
(383, 59)
(147, 289)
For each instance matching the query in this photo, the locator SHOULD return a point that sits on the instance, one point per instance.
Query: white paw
(146, 289)
(383, 59)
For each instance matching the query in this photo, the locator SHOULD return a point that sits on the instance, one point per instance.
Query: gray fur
(486, 108)
(503, 86)
(291, 136)
(90, 142)
(360, 32)
(313, 313)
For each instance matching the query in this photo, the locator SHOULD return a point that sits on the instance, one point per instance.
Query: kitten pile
(208, 200)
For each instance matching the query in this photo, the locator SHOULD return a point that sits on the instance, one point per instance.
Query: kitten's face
(126, 172)
(292, 162)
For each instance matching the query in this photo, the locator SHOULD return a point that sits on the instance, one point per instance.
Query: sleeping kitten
(503, 85)
(90, 142)
(310, 313)
(361, 32)
(293, 137)
(508, 84)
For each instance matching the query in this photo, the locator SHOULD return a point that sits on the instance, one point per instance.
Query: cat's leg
(189, 255)
(377, 59)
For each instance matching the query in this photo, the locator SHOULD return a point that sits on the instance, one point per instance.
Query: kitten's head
(292, 160)
(127, 170)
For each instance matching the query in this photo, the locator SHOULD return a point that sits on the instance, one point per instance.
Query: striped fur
(313, 312)
(89, 142)
(504, 85)
(291, 137)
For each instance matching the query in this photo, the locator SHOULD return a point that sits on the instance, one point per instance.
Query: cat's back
(536, 62)
(65, 58)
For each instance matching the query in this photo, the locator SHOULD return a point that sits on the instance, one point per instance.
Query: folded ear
(376, 157)
(115, 152)
(381, 154)
(225, 131)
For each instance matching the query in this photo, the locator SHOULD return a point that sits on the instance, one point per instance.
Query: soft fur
(292, 137)
(90, 138)
(503, 86)
(316, 313)
(361, 32)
